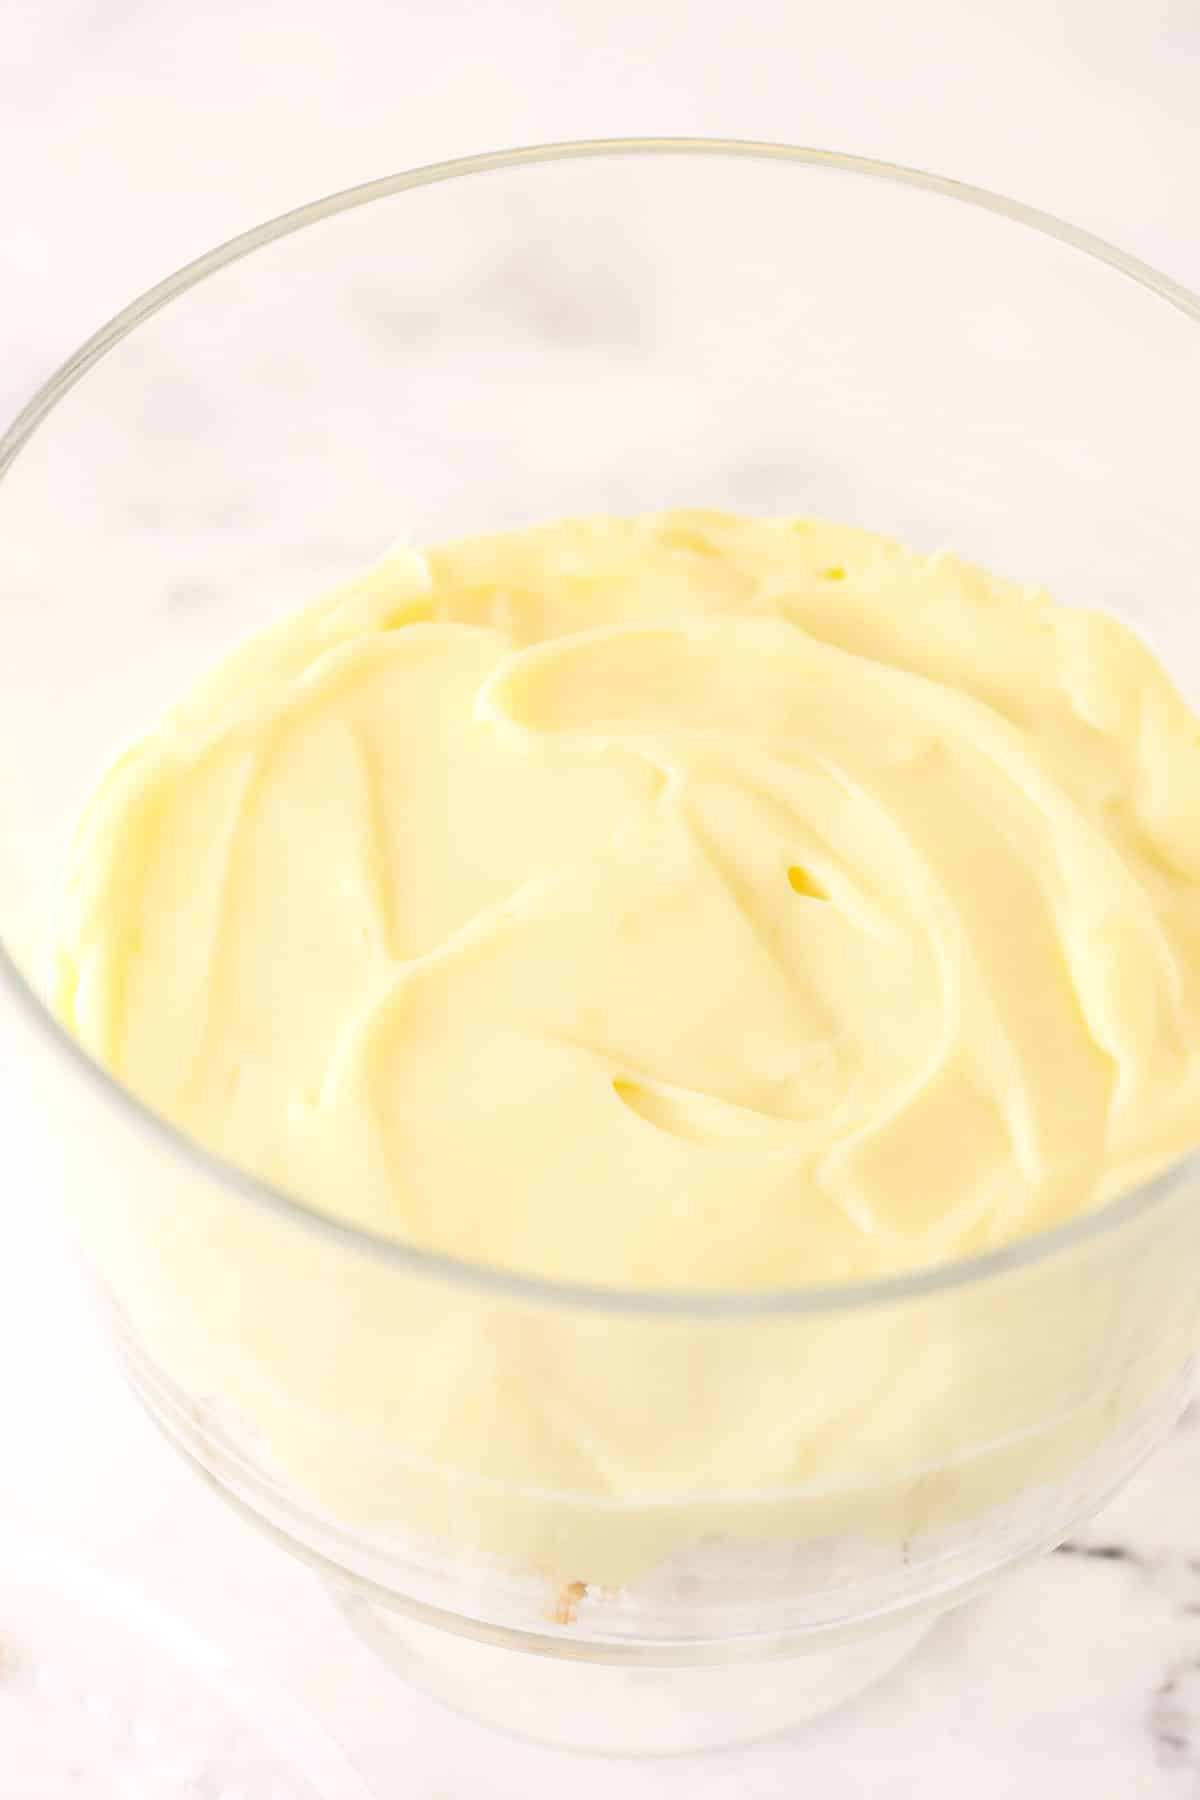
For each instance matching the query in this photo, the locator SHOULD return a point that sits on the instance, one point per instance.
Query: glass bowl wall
(583, 329)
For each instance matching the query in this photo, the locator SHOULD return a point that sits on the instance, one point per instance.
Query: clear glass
(587, 328)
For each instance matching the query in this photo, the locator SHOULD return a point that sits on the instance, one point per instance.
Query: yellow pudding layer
(689, 901)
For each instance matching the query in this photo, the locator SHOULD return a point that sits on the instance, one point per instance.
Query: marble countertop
(137, 135)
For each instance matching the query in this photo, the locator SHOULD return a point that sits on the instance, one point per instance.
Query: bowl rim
(682, 1304)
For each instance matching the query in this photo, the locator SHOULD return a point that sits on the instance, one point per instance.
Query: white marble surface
(133, 135)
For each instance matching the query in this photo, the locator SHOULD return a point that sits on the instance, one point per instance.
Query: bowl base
(630, 1704)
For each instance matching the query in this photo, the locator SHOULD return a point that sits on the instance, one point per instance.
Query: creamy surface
(689, 901)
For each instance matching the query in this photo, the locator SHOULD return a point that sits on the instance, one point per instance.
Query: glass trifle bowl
(635, 1520)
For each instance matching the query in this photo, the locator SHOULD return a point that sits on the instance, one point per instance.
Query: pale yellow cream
(690, 901)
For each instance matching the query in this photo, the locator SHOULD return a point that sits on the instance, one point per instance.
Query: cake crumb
(566, 1605)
